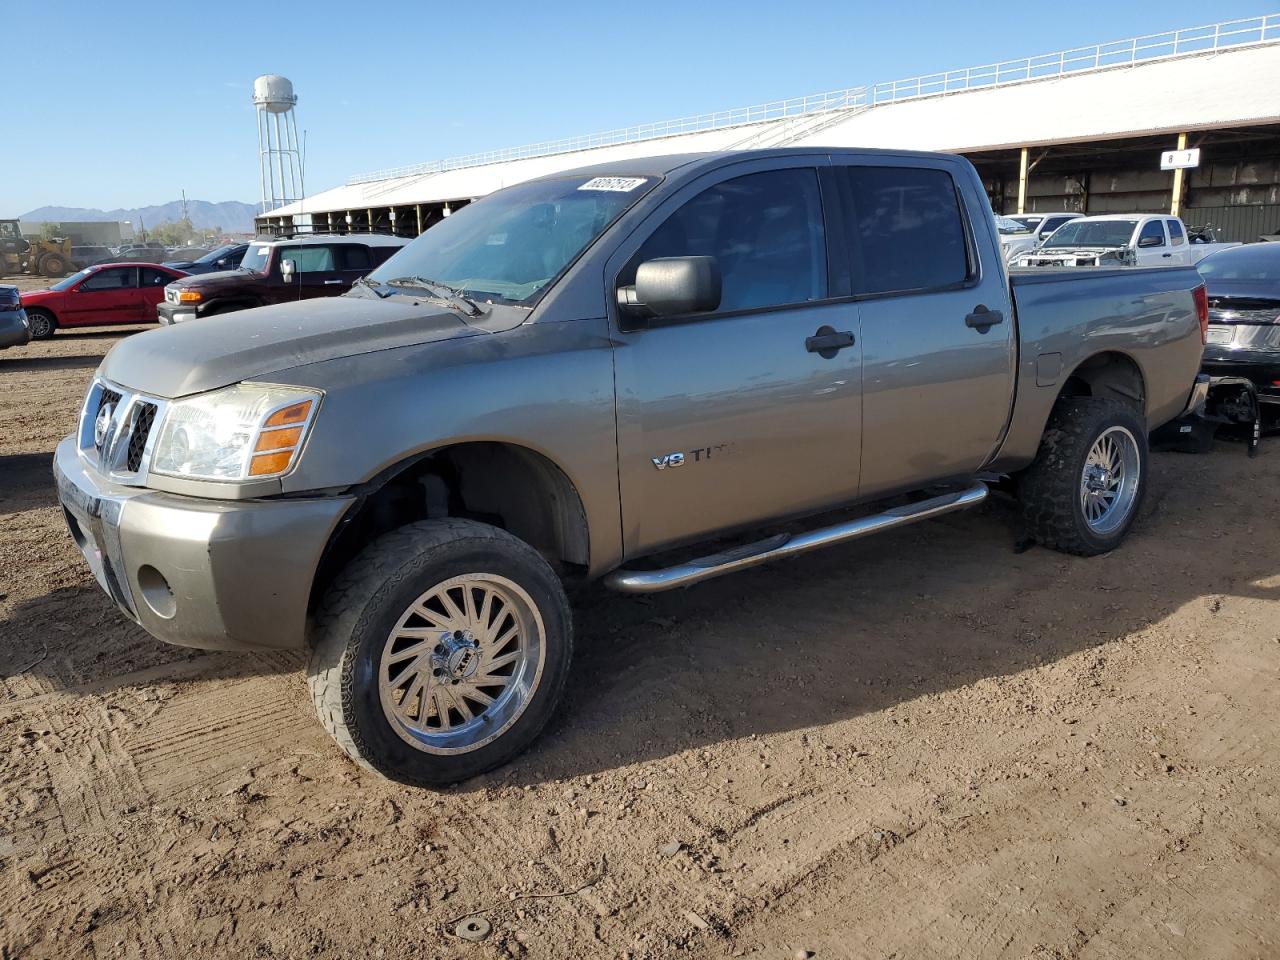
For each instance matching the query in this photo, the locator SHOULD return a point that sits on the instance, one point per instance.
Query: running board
(789, 545)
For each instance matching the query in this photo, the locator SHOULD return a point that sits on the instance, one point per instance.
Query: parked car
(1043, 224)
(150, 252)
(186, 254)
(104, 294)
(1015, 237)
(223, 258)
(87, 256)
(569, 377)
(1144, 240)
(1244, 319)
(15, 331)
(277, 271)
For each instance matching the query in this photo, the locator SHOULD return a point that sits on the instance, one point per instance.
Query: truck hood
(216, 351)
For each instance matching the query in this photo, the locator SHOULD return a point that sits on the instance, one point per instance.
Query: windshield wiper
(456, 298)
(373, 285)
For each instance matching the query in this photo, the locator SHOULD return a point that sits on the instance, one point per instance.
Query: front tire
(1085, 489)
(42, 324)
(441, 651)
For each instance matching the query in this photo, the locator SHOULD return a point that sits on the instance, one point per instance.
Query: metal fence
(1244, 223)
(1227, 35)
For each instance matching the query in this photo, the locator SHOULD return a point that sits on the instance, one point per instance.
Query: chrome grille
(121, 446)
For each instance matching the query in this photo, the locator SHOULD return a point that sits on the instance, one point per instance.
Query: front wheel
(1085, 488)
(441, 651)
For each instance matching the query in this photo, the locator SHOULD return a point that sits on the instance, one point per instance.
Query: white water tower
(279, 160)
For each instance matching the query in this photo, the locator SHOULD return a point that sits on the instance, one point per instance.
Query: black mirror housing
(670, 286)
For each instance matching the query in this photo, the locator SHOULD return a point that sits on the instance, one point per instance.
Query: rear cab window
(1176, 235)
(907, 230)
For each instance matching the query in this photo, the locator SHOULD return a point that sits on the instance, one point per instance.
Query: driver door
(107, 296)
(729, 418)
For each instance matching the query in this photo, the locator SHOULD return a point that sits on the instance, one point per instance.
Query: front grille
(144, 418)
(109, 397)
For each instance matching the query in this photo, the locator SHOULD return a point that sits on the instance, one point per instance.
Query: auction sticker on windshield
(613, 184)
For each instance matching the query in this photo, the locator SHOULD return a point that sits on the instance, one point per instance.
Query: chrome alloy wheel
(1109, 482)
(462, 663)
(39, 325)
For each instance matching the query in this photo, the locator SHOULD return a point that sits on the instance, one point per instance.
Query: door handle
(1166, 255)
(828, 341)
(983, 319)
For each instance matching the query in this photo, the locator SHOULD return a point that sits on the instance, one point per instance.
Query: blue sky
(127, 103)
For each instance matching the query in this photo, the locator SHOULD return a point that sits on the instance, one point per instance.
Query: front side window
(765, 231)
(1153, 230)
(1176, 236)
(510, 246)
(120, 278)
(907, 229)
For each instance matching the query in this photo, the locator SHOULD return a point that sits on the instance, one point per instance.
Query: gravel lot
(922, 745)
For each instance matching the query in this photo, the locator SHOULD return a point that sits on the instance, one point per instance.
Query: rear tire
(411, 673)
(42, 323)
(1085, 489)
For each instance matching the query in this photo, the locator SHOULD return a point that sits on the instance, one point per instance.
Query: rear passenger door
(315, 271)
(736, 416)
(938, 339)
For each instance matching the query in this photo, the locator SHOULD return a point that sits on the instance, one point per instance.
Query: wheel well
(502, 484)
(1107, 375)
(45, 310)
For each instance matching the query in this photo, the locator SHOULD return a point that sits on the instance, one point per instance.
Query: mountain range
(230, 215)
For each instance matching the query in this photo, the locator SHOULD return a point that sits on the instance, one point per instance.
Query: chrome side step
(789, 545)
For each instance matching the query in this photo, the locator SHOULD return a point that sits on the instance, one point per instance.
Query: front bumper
(214, 574)
(14, 329)
(171, 313)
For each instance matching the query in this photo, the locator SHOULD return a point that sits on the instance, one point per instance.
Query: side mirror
(671, 286)
(287, 268)
(1046, 234)
(1151, 242)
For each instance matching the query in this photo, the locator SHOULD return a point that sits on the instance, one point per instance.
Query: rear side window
(1153, 228)
(1176, 236)
(765, 230)
(155, 278)
(312, 259)
(354, 258)
(907, 230)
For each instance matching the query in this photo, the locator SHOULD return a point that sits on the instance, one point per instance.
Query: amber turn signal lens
(269, 463)
(288, 416)
(190, 296)
(285, 439)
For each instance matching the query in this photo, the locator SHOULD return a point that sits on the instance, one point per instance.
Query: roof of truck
(1128, 216)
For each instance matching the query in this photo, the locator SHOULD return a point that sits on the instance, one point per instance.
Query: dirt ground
(923, 745)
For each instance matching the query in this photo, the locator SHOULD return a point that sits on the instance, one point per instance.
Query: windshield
(1028, 223)
(1008, 225)
(257, 257)
(1093, 233)
(1255, 262)
(511, 245)
(68, 282)
(213, 255)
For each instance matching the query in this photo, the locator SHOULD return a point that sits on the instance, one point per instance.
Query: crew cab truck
(573, 377)
(1112, 240)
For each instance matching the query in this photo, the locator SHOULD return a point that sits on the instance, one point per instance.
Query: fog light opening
(156, 592)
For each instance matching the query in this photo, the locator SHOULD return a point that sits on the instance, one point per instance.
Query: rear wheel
(53, 265)
(441, 651)
(1085, 488)
(42, 323)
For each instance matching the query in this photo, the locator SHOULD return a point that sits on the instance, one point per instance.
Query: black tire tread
(345, 603)
(1049, 489)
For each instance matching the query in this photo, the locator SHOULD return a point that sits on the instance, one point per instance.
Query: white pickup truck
(1127, 239)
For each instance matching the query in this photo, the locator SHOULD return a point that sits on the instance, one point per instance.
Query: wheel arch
(501, 482)
(1108, 373)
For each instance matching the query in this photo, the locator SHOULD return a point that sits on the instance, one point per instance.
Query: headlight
(244, 432)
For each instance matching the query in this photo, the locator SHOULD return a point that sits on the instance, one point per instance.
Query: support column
(418, 209)
(1022, 182)
(1176, 206)
(370, 212)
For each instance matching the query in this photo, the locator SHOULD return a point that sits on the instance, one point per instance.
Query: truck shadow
(827, 637)
(26, 481)
(13, 363)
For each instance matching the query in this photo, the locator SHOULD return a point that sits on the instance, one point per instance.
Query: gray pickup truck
(585, 376)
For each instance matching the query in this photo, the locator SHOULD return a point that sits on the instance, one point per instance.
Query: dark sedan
(14, 328)
(1244, 318)
(224, 258)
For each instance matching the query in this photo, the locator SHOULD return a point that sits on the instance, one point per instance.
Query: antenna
(279, 160)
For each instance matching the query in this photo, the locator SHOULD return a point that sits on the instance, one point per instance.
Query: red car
(111, 293)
